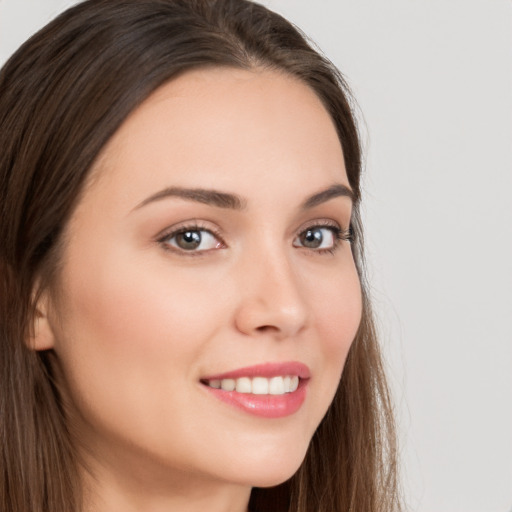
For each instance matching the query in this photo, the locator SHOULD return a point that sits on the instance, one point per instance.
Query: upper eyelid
(192, 225)
(196, 225)
(319, 223)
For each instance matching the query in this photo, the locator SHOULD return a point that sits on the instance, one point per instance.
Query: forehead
(218, 125)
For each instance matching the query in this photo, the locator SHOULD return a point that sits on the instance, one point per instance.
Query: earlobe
(41, 336)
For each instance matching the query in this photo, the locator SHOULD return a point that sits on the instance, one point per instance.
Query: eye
(322, 238)
(191, 240)
(316, 238)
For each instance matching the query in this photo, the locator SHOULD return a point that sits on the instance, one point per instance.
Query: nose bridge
(271, 296)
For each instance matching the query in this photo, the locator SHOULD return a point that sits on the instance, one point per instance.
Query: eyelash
(195, 227)
(340, 235)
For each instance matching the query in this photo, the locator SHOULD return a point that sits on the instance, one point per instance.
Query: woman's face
(209, 250)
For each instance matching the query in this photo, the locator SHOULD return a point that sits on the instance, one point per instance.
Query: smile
(272, 390)
(257, 385)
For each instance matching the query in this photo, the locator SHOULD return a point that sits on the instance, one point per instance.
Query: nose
(272, 301)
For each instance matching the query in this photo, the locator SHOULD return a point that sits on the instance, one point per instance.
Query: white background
(433, 79)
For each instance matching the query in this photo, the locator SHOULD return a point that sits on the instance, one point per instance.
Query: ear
(41, 336)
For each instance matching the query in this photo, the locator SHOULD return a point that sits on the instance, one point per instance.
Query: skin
(136, 322)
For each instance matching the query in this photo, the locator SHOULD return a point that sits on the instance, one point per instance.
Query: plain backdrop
(433, 80)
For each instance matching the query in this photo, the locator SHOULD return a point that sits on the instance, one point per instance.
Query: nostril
(267, 328)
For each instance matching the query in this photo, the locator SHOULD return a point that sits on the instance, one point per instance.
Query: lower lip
(265, 406)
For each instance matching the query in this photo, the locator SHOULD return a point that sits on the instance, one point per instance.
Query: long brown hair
(62, 96)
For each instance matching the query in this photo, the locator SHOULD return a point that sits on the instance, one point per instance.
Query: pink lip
(265, 406)
(267, 370)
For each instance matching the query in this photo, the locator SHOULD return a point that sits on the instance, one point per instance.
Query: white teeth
(243, 385)
(276, 386)
(258, 385)
(227, 384)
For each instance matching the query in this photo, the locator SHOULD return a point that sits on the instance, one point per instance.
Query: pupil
(312, 238)
(189, 239)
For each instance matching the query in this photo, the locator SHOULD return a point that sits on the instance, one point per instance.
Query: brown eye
(189, 240)
(312, 238)
(192, 240)
(317, 238)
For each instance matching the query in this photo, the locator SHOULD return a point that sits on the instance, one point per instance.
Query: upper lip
(265, 370)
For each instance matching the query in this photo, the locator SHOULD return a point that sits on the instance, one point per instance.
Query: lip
(267, 370)
(264, 406)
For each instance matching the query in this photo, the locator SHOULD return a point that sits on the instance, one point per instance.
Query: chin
(271, 468)
(274, 478)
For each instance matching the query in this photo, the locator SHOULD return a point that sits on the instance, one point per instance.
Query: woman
(184, 319)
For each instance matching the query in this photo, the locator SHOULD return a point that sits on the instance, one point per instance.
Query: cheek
(337, 312)
(129, 336)
(338, 309)
(126, 308)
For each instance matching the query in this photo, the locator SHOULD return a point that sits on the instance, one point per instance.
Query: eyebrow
(199, 195)
(337, 190)
(235, 202)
